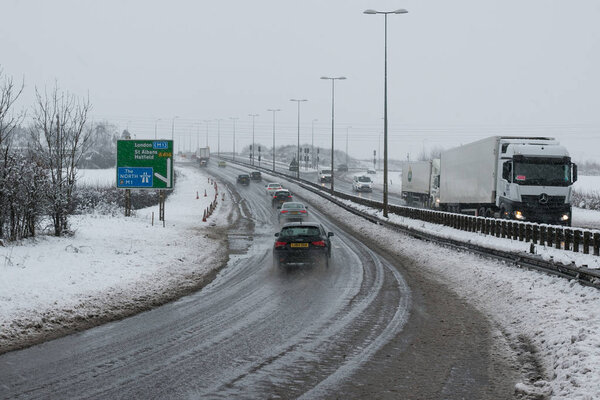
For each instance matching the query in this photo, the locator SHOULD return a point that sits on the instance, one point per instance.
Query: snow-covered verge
(557, 319)
(111, 267)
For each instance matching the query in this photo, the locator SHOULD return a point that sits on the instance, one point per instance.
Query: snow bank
(111, 266)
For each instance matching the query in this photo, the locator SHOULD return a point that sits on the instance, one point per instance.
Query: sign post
(145, 164)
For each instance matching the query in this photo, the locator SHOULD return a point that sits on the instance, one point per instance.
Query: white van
(362, 183)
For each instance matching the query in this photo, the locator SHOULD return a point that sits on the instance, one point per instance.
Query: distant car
(272, 188)
(302, 243)
(202, 163)
(292, 212)
(371, 171)
(222, 164)
(324, 175)
(280, 197)
(243, 179)
(255, 176)
(342, 168)
(362, 183)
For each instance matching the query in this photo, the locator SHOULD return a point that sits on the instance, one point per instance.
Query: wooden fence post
(549, 236)
(557, 237)
(528, 233)
(535, 234)
(586, 242)
(576, 240)
(568, 238)
(597, 244)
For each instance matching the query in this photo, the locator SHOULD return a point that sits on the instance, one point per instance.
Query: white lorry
(420, 182)
(203, 155)
(522, 178)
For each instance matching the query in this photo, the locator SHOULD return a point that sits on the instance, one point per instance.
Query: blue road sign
(160, 145)
(135, 177)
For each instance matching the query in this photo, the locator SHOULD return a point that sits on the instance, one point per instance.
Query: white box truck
(523, 178)
(420, 182)
(203, 155)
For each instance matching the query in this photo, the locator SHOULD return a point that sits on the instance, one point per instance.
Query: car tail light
(274, 197)
(284, 211)
(290, 196)
(320, 243)
(280, 244)
(303, 211)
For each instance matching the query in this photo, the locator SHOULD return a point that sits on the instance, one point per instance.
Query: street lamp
(233, 119)
(332, 119)
(252, 152)
(274, 111)
(347, 129)
(385, 117)
(156, 122)
(312, 143)
(207, 121)
(219, 137)
(173, 128)
(298, 157)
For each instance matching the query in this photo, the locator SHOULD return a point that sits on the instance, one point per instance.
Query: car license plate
(294, 213)
(299, 245)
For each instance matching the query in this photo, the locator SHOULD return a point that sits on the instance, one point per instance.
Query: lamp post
(332, 120)
(219, 137)
(298, 156)
(312, 144)
(207, 121)
(156, 122)
(233, 119)
(347, 129)
(252, 152)
(173, 128)
(274, 111)
(385, 116)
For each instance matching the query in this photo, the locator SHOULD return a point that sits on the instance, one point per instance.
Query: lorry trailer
(522, 178)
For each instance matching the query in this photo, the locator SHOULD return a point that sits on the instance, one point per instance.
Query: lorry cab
(535, 178)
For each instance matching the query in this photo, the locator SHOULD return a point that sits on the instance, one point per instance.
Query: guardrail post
(576, 240)
(528, 232)
(597, 244)
(586, 242)
(568, 238)
(521, 227)
(535, 234)
(557, 237)
(549, 236)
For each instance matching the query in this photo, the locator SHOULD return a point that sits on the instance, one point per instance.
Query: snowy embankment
(112, 266)
(554, 319)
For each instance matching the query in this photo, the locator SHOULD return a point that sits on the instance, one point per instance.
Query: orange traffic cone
(204, 192)
(204, 216)
(197, 197)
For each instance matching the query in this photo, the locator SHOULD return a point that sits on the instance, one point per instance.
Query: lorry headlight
(519, 215)
(565, 217)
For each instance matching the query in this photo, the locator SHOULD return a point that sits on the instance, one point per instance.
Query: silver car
(292, 212)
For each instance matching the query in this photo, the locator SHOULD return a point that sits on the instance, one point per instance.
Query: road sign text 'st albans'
(145, 164)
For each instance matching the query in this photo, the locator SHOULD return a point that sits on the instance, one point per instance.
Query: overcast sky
(457, 70)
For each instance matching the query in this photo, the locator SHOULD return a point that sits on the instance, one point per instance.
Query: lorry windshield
(542, 172)
(326, 172)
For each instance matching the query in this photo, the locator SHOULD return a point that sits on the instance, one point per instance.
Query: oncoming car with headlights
(362, 183)
(302, 243)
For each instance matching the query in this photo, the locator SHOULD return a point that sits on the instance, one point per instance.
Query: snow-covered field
(97, 177)
(111, 262)
(587, 184)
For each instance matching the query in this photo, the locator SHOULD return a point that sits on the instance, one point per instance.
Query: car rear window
(293, 206)
(294, 231)
(364, 179)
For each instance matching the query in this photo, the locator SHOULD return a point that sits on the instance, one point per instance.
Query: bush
(587, 200)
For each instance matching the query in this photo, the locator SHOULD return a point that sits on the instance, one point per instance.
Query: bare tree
(61, 136)
(9, 121)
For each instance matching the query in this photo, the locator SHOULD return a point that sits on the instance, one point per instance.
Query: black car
(342, 168)
(280, 197)
(255, 176)
(302, 243)
(243, 179)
